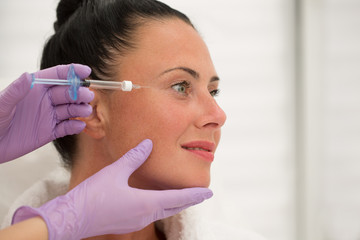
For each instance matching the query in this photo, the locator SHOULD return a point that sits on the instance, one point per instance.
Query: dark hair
(93, 33)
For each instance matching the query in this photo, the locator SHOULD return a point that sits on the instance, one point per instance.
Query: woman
(161, 50)
(154, 46)
(31, 117)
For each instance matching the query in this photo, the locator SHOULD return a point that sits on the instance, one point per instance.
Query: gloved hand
(30, 118)
(105, 204)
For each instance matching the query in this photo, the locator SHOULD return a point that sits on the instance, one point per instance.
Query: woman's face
(178, 112)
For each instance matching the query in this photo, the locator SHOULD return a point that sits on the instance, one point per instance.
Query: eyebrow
(192, 72)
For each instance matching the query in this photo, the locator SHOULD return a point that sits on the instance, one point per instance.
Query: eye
(181, 87)
(215, 93)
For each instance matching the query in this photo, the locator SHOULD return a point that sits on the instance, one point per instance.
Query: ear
(95, 123)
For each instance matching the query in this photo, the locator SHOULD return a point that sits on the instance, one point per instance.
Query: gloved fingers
(173, 199)
(14, 93)
(60, 95)
(69, 127)
(66, 111)
(134, 158)
(61, 71)
(121, 169)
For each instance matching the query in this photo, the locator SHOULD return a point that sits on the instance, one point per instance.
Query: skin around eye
(182, 87)
(215, 93)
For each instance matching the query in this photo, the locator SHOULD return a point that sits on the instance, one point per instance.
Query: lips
(203, 149)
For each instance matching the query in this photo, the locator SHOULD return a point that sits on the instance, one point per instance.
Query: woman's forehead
(171, 33)
(163, 45)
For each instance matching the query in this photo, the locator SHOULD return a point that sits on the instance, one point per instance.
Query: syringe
(125, 85)
(75, 82)
(96, 84)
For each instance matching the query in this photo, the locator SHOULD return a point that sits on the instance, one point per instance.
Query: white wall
(341, 119)
(272, 169)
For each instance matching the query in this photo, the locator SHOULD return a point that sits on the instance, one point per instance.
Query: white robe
(187, 225)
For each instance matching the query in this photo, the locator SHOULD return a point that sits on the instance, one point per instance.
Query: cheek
(136, 116)
(160, 114)
(165, 120)
(169, 119)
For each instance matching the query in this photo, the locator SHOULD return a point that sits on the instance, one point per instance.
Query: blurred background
(288, 166)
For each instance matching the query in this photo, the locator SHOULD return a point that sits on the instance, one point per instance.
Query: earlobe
(94, 123)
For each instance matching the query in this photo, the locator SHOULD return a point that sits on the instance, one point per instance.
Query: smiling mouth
(203, 149)
(196, 149)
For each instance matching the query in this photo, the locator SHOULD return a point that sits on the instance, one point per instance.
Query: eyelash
(187, 85)
(215, 93)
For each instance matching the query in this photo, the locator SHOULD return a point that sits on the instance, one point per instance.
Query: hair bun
(65, 10)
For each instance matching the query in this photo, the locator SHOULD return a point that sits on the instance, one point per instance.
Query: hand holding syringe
(31, 117)
(75, 82)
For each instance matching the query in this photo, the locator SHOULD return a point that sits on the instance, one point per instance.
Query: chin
(199, 180)
(192, 177)
(165, 179)
(203, 183)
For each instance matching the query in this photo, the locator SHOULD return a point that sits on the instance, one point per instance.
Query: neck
(88, 162)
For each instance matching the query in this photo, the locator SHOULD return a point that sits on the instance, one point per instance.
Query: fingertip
(77, 126)
(92, 94)
(137, 156)
(186, 197)
(146, 147)
(89, 110)
(201, 194)
(174, 201)
(208, 194)
(78, 110)
(85, 95)
(83, 71)
(147, 143)
(69, 127)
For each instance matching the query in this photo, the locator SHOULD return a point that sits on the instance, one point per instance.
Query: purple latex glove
(30, 118)
(105, 204)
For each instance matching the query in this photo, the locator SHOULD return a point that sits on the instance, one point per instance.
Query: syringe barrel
(98, 84)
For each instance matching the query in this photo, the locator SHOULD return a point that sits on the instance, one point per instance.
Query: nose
(211, 114)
